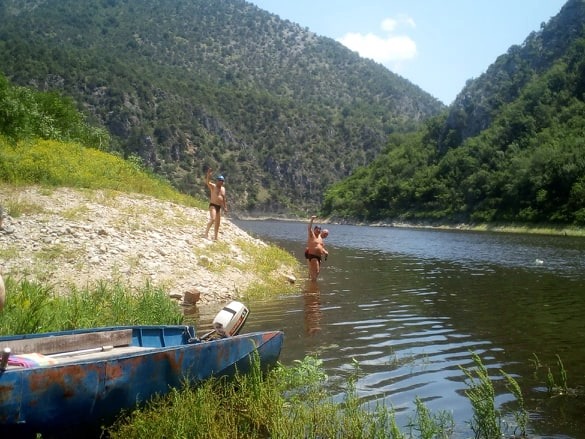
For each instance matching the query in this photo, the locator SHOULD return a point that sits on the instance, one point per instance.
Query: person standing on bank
(217, 201)
(315, 249)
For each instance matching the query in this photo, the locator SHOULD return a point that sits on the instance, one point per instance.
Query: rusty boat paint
(92, 391)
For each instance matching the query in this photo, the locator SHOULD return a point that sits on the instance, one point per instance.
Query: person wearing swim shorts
(217, 201)
(315, 249)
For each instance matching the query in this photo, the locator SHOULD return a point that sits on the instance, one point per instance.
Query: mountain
(191, 84)
(509, 149)
(482, 99)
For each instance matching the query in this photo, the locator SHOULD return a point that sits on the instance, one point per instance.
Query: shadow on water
(411, 305)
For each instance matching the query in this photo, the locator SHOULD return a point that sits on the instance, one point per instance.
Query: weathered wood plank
(97, 356)
(66, 343)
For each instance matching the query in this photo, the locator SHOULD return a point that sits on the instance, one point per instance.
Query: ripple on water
(410, 306)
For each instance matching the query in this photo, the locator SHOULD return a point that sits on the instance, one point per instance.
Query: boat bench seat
(99, 355)
(67, 343)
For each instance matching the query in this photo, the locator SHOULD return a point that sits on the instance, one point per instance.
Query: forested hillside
(511, 148)
(481, 100)
(188, 84)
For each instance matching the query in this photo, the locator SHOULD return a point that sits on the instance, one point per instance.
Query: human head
(220, 178)
(324, 233)
(316, 230)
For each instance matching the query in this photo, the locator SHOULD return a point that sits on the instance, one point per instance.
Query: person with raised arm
(315, 250)
(217, 201)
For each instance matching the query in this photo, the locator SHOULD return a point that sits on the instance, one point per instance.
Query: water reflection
(412, 305)
(312, 307)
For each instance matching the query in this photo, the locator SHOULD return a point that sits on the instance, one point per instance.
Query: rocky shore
(74, 238)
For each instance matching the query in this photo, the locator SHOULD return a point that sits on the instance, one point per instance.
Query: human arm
(310, 226)
(208, 177)
(224, 199)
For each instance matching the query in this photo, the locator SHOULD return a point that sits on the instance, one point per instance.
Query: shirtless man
(217, 200)
(315, 249)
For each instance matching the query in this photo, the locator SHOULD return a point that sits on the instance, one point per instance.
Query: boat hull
(92, 391)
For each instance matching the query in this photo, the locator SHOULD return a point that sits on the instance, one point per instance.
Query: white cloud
(391, 50)
(380, 49)
(389, 24)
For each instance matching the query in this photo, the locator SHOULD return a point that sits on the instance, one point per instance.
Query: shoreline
(497, 228)
(532, 229)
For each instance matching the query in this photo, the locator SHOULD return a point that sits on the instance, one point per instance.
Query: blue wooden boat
(61, 380)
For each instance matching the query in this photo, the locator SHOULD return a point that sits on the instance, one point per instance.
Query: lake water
(411, 305)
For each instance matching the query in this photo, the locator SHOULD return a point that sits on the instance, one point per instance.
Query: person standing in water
(217, 201)
(315, 249)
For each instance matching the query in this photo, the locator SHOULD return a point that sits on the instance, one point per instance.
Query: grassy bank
(293, 402)
(32, 307)
(541, 229)
(533, 229)
(55, 164)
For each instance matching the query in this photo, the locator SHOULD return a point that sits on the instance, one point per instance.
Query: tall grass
(428, 425)
(32, 307)
(54, 163)
(270, 263)
(520, 414)
(487, 418)
(289, 402)
(292, 402)
(554, 386)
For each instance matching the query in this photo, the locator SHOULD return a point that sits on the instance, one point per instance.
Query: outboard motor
(229, 321)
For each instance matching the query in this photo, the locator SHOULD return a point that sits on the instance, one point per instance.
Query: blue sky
(436, 44)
